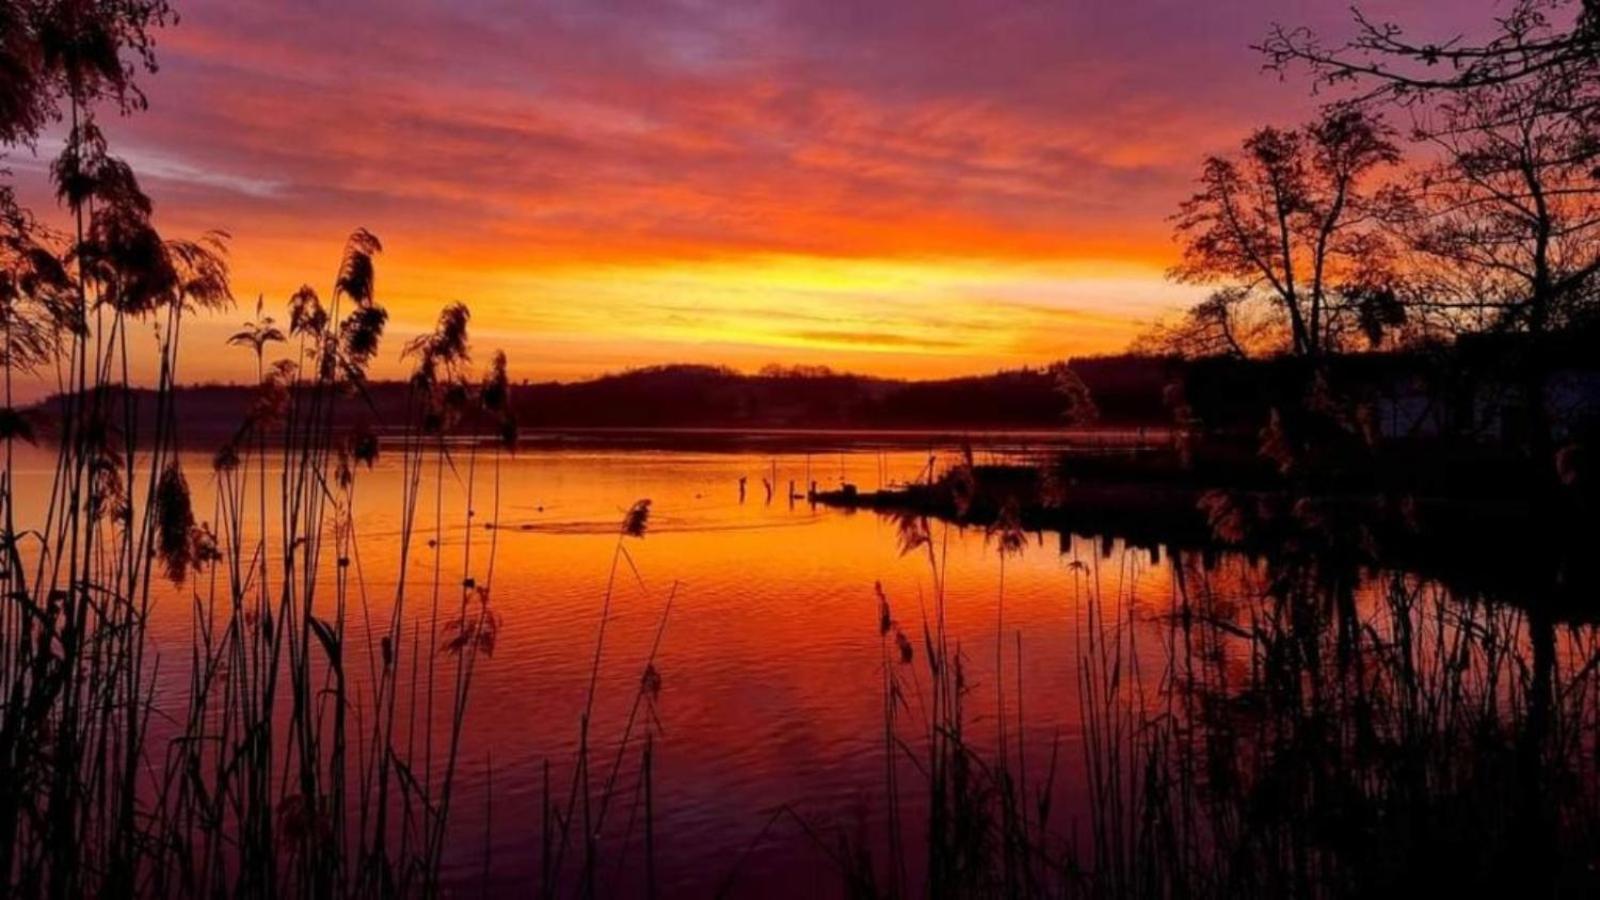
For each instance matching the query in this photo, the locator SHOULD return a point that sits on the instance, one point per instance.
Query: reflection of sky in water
(771, 686)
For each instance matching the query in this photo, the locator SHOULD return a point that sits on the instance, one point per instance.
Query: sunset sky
(907, 187)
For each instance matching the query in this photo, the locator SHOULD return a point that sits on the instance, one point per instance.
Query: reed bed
(1312, 743)
(270, 780)
(310, 743)
(1289, 726)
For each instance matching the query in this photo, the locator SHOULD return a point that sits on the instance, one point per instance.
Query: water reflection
(1150, 719)
(1319, 739)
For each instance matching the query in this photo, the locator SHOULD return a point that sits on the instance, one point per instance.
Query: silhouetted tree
(1225, 323)
(1508, 218)
(1504, 227)
(1292, 222)
(1532, 40)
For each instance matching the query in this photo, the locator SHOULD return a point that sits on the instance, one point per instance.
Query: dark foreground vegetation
(1312, 720)
(312, 746)
(1290, 724)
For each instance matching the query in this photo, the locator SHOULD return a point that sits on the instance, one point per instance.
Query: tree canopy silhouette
(1291, 221)
(1532, 40)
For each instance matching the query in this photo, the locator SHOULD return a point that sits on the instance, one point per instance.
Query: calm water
(771, 690)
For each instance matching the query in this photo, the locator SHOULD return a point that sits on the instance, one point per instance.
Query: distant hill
(1127, 390)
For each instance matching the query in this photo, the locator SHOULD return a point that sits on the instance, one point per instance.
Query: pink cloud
(561, 133)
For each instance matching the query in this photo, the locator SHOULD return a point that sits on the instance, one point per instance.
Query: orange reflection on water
(769, 663)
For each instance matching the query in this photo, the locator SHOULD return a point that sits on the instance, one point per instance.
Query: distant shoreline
(708, 404)
(817, 439)
(769, 440)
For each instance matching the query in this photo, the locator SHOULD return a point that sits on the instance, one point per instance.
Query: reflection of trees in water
(1324, 731)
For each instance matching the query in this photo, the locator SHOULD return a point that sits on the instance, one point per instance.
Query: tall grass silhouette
(316, 744)
(1279, 728)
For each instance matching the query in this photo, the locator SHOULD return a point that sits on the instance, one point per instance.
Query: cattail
(636, 519)
(496, 387)
(328, 358)
(202, 271)
(85, 171)
(450, 337)
(488, 632)
(650, 682)
(495, 397)
(174, 521)
(360, 333)
(364, 447)
(357, 275)
(306, 315)
(455, 397)
(203, 548)
(508, 432)
(107, 491)
(226, 459)
(272, 395)
(125, 254)
(446, 345)
(475, 630)
(1007, 530)
(913, 532)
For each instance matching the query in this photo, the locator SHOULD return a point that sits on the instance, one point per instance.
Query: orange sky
(908, 187)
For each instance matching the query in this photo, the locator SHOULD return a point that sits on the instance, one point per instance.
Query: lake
(766, 696)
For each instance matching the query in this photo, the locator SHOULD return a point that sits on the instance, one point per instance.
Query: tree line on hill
(1127, 391)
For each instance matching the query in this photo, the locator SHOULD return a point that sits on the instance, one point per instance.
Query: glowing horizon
(899, 188)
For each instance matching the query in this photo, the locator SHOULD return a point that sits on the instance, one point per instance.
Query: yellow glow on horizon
(902, 317)
(954, 314)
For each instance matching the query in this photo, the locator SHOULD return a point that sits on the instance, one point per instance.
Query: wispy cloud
(879, 339)
(161, 167)
(958, 184)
